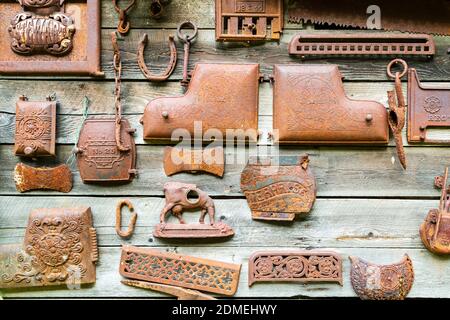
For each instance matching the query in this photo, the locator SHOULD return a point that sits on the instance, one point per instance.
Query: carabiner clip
(125, 234)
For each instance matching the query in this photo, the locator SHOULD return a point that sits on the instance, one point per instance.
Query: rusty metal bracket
(35, 127)
(170, 67)
(279, 189)
(381, 282)
(368, 43)
(180, 293)
(179, 270)
(435, 230)
(125, 234)
(428, 107)
(249, 20)
(180, 197)
(29, 178)
(124, 25)
(294, 266)
(209, 160)
(60, 248)
(310, 106)
(397, 110)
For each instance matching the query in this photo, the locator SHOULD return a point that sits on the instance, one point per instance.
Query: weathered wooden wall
(368, 206)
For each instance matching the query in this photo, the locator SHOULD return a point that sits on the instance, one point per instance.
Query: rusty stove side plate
(427, 108)
(279, 191)
(29, 178)
(99, 159)
(310, 107)
(35, 128)
(221, 96)
(382, 282)
(179, 270)
(66, 38)
(258, 19)
(294, 266)
(60, 248)
(435, 230)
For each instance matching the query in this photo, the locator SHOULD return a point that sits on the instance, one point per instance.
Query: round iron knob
(369, 117)
(165, 114)
(28, 150)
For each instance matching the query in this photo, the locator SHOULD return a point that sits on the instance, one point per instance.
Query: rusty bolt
(369, 117)
(165, 114)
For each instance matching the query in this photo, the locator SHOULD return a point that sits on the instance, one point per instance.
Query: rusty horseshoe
(170, 67)
(125, 234)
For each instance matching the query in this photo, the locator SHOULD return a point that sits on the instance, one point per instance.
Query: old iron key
(186, 39)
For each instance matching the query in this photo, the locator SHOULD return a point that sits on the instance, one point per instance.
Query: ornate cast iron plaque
(35, 128)
(310, 106)
(294, 266)
(249, 20)
(98, 156)
(213, 88)
(180, 197)
(60, 248)
(382, 282)
(29, 178)
(179, 270)
(428, 107)
(50, 37)
(278, 191)
(435, 230)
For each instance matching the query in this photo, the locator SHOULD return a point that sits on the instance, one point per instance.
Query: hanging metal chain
(396, 116)
(124, 25)
(117, 91)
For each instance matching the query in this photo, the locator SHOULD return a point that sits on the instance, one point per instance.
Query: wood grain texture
(205, 49)
(340, 172)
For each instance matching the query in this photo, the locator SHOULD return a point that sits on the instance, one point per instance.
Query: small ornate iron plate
(428, 107)
(294, 266)
(179, 270)
(60, 248)
(98, 157)
(278, 191)
(35, 128)
(382, 282)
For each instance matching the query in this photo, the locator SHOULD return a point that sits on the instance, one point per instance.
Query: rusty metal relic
(279, 189)
(294, 266)
(179, 270)
(213, 88)
(181, 197)
(35, 127)
(435, 230)
(170, 67)
(310, 106)
(381, 282)
(60, 248)
(124, 25)
(249, 20)
(362, 44)
(187, 40)
(50, 30)
(106, 151)
(208, 160)
(29, 178)
(50, 37)
(428, 108)
(402, 15)
(129, 232)
(397, 109)
(180, 293)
